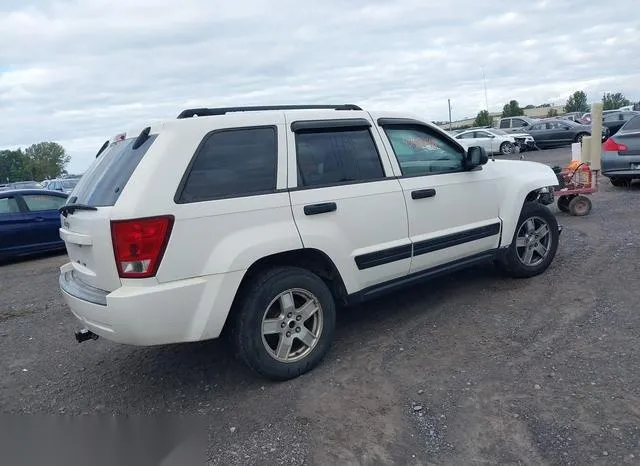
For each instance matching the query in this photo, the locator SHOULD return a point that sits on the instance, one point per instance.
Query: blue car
(30, 221)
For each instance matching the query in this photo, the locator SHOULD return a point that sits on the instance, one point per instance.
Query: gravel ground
(469, 369)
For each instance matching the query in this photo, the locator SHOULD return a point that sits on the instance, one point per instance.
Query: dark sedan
(620, 160)
(616, 120)
(30, 221)
(558, 132)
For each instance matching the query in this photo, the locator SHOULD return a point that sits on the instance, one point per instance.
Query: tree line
(577, 102)
(45, 160)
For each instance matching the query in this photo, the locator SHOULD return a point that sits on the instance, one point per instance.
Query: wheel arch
(311, 259)
(581, 133)
(512, 204)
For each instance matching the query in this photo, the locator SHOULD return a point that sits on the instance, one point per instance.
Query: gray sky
(78, 72)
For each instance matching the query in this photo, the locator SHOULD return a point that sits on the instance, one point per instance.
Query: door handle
(423, 193)
(38, 219)
(314, 209)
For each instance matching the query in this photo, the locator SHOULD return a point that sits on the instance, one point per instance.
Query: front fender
(522, 178)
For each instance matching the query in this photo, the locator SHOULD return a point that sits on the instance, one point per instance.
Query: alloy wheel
(292, 325)
(533, 241)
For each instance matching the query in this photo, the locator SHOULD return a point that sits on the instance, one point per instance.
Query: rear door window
(9, 205)
(232, 163)
(327, 157)
(102, 184)
(41, 202)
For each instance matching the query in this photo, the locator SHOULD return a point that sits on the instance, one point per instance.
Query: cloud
(80, 71)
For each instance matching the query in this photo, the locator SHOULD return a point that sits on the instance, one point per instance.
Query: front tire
(506, 148)
(534, 243)
(285, 323)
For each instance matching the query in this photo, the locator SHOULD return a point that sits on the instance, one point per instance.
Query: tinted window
(234, 162)
(8, 205)
(504, 123)
(38, 202)
(466, 136)
(518, 123)
(611, 117)
(422, 152)
(482, 134)
(337, 156)
(538, 127)
(103, 182)
(633, 124)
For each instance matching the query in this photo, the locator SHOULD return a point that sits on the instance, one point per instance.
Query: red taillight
(139, 245)
(611, 145)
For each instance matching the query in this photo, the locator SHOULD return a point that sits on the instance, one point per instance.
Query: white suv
(260, 221)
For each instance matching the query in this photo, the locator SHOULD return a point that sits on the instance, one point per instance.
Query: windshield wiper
(71, 208)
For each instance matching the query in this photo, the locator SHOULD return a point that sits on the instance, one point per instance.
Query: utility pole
(484, 82)
(449, 103)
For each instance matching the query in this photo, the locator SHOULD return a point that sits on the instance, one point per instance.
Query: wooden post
(585, 153)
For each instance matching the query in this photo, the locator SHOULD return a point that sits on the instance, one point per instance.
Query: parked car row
(549, 132)
(495, 141)
(21, 185)
(63, 185)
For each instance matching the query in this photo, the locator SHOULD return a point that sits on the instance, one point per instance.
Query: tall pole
(449, 103)
(484, 82)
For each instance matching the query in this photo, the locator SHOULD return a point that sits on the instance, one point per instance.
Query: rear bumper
(614, 165)
(175, 312)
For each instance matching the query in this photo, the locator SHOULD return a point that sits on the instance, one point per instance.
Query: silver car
(620, 160)
(64, 185)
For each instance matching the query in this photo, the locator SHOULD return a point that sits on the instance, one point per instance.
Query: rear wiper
(71, 208)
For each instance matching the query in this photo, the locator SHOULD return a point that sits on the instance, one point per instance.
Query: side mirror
(475, 157)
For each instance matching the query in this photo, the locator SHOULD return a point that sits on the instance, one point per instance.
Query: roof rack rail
(224, 110)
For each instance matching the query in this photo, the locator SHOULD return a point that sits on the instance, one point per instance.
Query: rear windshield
(632, 125)
(69, 184)
(103, 182)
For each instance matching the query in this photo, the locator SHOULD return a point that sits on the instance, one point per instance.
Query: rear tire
(580, 136)
(619, 182)
(271, 323)
(531, 251)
